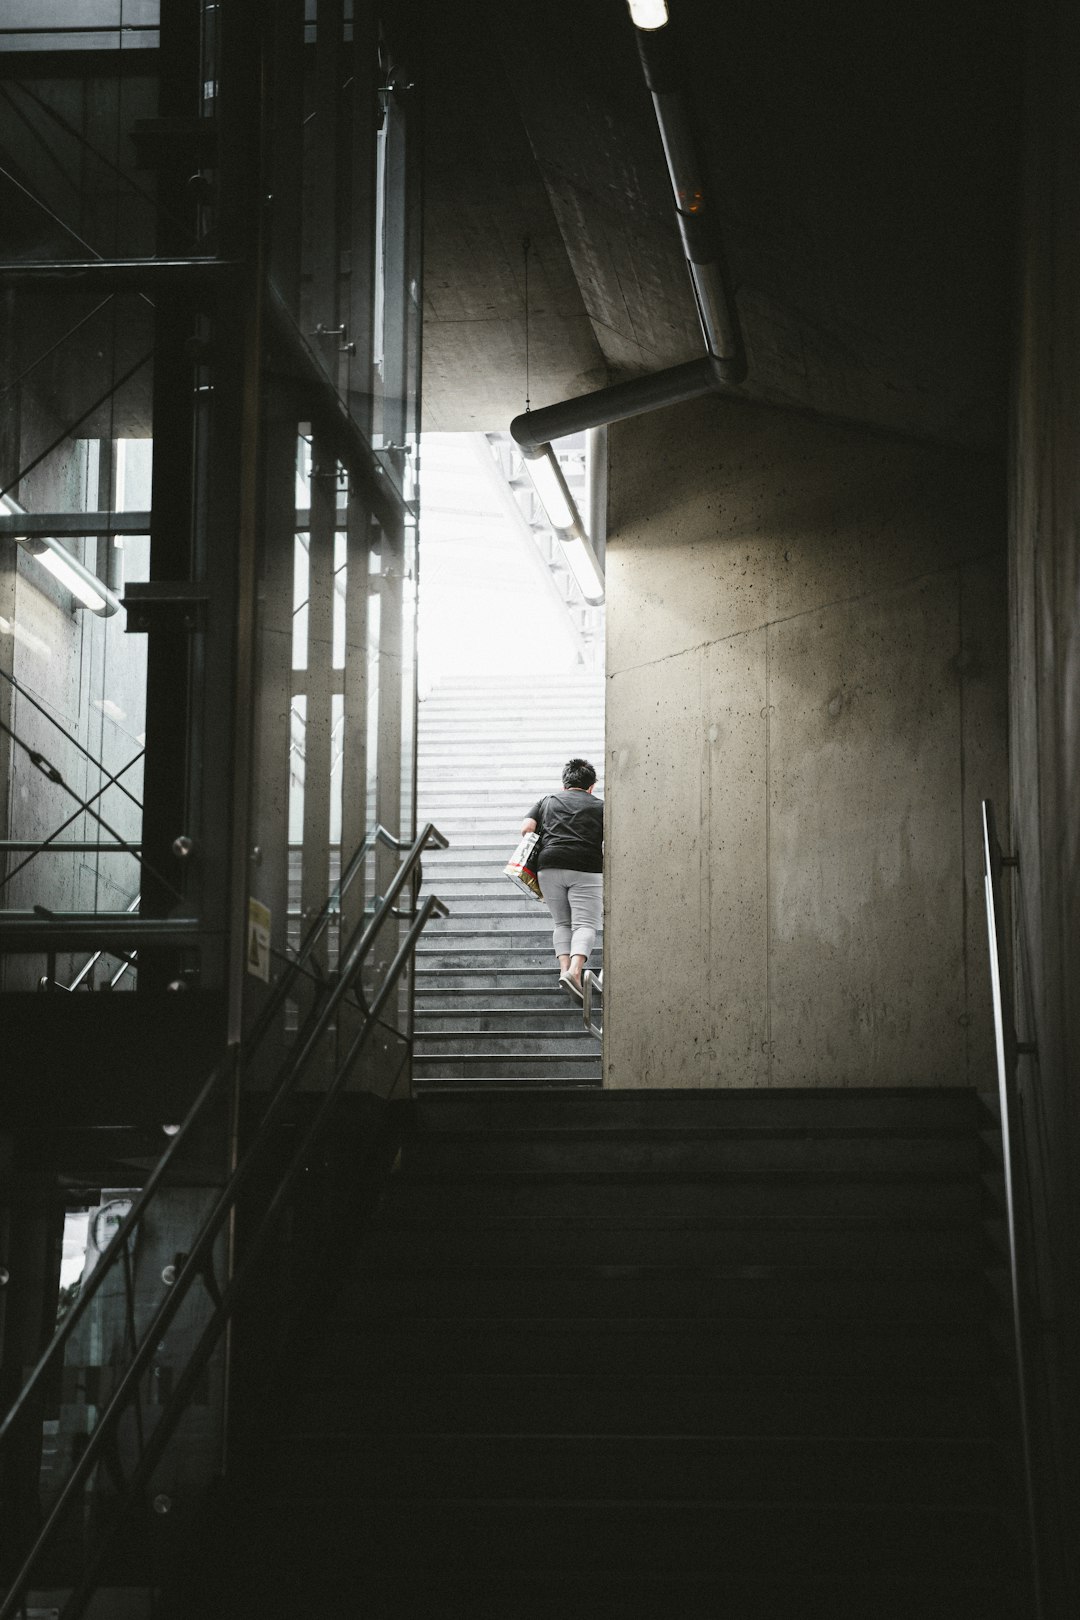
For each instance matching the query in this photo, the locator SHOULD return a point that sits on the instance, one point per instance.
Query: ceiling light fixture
(562, 513)
(554, 493)
(584, 567)
(62, 568)
(550, 486)
(87, 589)
(648, 14)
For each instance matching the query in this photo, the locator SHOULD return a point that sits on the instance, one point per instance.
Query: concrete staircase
(653, 1355)
(488, 1008)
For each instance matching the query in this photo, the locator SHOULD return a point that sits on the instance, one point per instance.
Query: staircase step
(524, 1540)
(813, 1294)
(462, 1043)
(514, 931)
(430, 1344)
(744, 1194)
(709, 1150)
(438, 1084)
(509, 1066)
(494, 979)
(539, 1013)
(911, 1108)
(747, 1404)
(562, 1241)
(846, 1474)
(494, 957)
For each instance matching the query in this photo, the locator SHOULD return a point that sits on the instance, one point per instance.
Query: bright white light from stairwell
(548, 484)
(648, 13)
(80, 588)
(583, 567)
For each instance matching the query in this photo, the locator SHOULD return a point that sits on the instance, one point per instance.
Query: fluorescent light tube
(74, 576)
(648, 14)
(584, 567)
(61, 568)
(550, 485)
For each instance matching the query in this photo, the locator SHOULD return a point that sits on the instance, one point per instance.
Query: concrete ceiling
(860, 159)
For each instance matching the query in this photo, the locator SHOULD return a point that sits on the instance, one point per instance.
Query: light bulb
(80, 588)
(648, 14)
(584, 567)
(548, 484)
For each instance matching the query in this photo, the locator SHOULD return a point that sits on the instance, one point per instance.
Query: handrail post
(1007, 1049)
(194, 1265)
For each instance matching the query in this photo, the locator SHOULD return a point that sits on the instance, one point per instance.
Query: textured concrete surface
(806, 701)
(868, 244)
(1044, 651)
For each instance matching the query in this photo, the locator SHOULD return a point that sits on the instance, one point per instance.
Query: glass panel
(72, 680)
(300, 602)
(340, 587)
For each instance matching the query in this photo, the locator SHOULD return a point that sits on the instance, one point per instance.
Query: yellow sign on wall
(258, 941)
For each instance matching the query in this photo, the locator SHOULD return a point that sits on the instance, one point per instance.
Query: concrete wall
(1044, 590)
(806, 702)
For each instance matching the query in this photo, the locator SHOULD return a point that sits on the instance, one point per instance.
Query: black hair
(578, 773)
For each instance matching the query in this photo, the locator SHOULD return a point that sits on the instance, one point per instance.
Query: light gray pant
(576, 903)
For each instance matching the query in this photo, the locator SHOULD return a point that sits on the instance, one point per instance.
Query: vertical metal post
(166, 808)
(354, 819)
(323, 132)
(363, 92)
(10, 433)
(1007, 1048)
(388, 790)
(315, 880)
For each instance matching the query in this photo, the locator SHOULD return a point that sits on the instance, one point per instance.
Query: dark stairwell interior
(739, 1352)
(534, 1349)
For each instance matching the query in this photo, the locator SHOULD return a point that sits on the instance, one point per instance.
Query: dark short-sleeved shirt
(572, 830)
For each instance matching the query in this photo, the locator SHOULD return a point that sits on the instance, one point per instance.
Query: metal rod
(73, 846)
(196, 1258)
(185, 1384)
(591, 984)
(76, 931)
(54, 775)
(534, 429)
(47, 843)
(116, 275)
(72, 524)
(89, 966)
(113, 777)
(1005, 1045)
(263, 1023)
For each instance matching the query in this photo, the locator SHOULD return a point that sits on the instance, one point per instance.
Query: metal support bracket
(165, 604)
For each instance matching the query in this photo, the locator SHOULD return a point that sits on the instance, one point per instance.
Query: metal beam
(342, 436)
(116, 275)
(72, 525)
(80, 930)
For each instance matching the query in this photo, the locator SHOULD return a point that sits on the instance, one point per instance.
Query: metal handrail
(47, 983)
(592, 985)
(1008, 1048)
(198, 1259)
(195, 1266)
(262, 1024)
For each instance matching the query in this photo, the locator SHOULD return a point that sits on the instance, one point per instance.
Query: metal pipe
(724, 365)
(117, 275)
(533, 430)
(700, 235)
(81, 931)
(1007, 1048)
